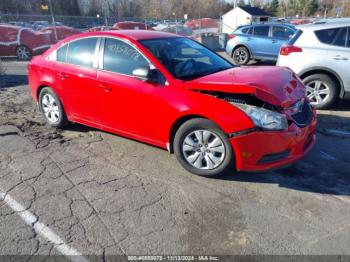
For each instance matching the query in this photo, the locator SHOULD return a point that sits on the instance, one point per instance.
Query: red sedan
(22, 42)
(172, 92)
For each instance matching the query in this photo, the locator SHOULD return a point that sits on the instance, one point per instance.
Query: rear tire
(203, 149)
(24, 53)
(322, 90)
(52, 109)
(241, 56)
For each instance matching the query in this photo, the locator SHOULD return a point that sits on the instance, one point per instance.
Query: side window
(62, 54)
(327, 36)
(341, 38)
(120, 57)
(82, 52)
(261, 31)
(348, 44)
(282, 32)
(245, 30)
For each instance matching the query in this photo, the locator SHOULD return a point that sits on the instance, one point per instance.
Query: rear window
(282, 32)
(261, 30)
(295, 38)
(333, 36)
(246, 30)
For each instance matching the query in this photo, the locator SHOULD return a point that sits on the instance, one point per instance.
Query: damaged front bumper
(265, 150)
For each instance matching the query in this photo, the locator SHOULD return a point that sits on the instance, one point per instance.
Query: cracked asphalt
(106, 195)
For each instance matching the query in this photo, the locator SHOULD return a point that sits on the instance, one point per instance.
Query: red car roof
(128, 34)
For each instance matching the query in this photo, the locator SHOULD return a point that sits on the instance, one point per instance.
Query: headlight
(264, 118)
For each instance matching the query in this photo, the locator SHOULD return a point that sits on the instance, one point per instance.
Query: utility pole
(53, 20)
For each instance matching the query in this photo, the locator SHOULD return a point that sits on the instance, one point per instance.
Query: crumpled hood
(275, 85)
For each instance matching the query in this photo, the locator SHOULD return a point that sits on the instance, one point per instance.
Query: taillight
(231, 36)
(288, 49)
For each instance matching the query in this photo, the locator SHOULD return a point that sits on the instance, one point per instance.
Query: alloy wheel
(23, 53)
(240, 56)
(204, 149)
(50, 108)
(317, 91)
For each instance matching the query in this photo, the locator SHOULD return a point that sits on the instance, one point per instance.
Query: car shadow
(11, 80)
(262, 63)
(339, 107)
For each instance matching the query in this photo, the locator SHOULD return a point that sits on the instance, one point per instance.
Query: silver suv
(320, 55)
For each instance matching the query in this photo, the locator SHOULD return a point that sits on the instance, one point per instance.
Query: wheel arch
(329, 72)
(41, 87)
(241, 45)
(176, 125)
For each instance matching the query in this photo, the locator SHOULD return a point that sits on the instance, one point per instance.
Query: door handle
(274, 41)
(105, 88)
(339, 58)
(62, 76)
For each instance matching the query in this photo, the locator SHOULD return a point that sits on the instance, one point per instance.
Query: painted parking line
(41, 229)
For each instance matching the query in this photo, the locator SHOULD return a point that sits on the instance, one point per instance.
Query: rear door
(260, 41)
(76, 73)
(280, 35)
(338, 51)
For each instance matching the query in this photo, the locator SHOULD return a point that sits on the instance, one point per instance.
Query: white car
(320, 55)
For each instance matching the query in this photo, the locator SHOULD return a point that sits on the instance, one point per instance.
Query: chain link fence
(41, 32)
(37, 22)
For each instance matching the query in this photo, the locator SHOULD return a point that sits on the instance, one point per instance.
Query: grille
(304, 116)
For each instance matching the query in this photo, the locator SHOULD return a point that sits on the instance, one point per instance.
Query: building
(243, 15)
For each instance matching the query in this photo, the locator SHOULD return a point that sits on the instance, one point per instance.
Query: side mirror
(142, 73)
(149, 74)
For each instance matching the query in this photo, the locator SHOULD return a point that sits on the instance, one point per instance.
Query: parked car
(172, 92)
(38, 25)
(62, 32)
(301, 21)
(320, 55)
(21, 24)
(180, 30)
(203, 25)
(22, 42)
(130, 26)
(259, 41)
(100, 28)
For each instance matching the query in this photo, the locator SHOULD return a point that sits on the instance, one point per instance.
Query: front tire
(321, 90)
(203, 149)
(241, 56)
(52, 109)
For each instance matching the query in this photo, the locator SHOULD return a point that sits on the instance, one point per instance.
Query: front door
(128, 104)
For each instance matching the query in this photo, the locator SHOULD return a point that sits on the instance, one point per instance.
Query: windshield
(184, 58)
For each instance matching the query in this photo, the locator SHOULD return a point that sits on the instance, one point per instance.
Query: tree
(311, 7)
(241, 3)
(274, 7)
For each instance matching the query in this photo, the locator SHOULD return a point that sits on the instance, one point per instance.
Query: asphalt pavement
(80, 191)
